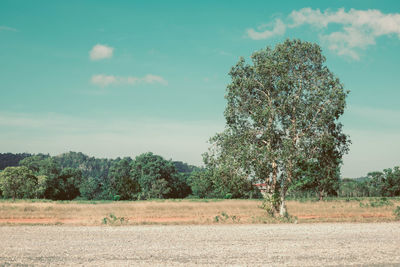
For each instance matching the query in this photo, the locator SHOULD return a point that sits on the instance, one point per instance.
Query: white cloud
(5, 28)
(278, 29)
(103, 80)
(374, 20)
(359, 28)
(100, 51)
(149, 78)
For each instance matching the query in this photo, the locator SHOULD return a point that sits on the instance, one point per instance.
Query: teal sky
(119, 78)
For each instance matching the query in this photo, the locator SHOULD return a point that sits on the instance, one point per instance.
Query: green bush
(228, 196)
(111, 219)
(223, 217)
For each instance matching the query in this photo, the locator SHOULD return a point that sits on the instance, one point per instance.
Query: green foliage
(155, 175)
(89, 166)
(385, 184)
(120, 181)
(201, 184)
(224, 217)
(228, 196)
(41, 186)
(321, 176)
(90, 188)
(55, 183)
(72, 175)
(180, 187)
(18, 182)
(68, 185)
(95, 173)
(35, 163)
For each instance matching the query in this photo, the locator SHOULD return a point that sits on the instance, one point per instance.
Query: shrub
(114, 220)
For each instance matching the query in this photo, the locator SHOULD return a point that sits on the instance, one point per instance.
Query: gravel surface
(252, 245)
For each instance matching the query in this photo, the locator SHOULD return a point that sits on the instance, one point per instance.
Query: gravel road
(252, 245)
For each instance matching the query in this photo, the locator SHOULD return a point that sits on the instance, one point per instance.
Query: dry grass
(187, 212)
(365, 210)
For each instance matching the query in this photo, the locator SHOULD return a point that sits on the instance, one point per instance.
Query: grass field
(192, 211)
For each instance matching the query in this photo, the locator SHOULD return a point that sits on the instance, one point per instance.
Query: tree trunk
(321, 195)
(285, 186)
(274, 173)
(282, 209)
(270, 192)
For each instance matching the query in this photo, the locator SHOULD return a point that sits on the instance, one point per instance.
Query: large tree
(282, 114)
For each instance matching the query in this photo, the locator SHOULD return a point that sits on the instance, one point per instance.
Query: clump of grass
(396, 212)
(111, 219)
(224, 217)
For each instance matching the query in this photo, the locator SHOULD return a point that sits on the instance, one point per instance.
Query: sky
(120, 78)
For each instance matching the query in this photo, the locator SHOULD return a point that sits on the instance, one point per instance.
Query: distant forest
(75, 175)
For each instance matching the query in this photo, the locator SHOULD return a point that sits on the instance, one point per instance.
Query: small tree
(18, 182)
(279, 111)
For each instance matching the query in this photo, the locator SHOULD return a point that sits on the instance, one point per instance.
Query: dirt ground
(185, 245)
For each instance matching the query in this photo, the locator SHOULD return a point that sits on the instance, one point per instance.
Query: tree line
(75, 175)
